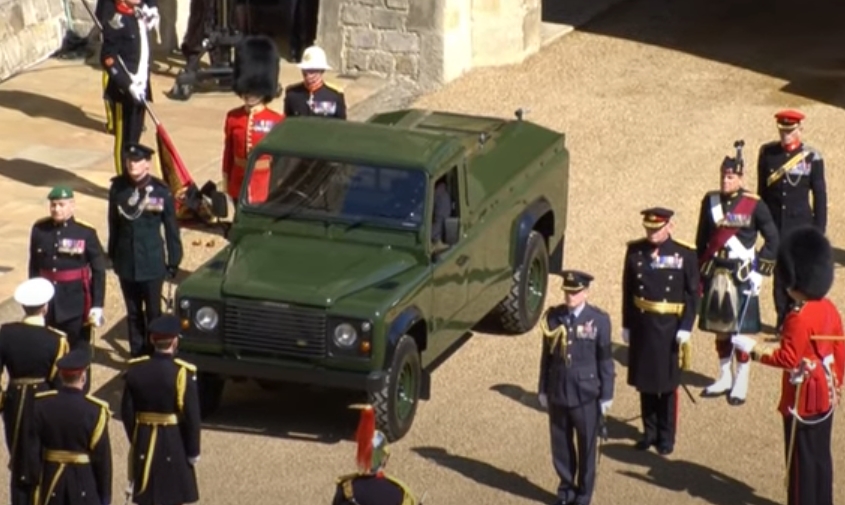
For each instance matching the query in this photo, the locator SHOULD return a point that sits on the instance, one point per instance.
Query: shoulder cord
(142, 206)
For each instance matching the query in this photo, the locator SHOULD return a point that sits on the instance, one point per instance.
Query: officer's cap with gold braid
(575, 280)
(789, 119)
(372, 444)
(805, 262)
(656, 217)
(165, 327)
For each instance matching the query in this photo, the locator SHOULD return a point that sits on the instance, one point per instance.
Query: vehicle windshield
(290, 186)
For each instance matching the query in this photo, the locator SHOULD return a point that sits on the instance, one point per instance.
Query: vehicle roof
(372, 143)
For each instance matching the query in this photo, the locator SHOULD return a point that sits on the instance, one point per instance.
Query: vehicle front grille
(275, 328)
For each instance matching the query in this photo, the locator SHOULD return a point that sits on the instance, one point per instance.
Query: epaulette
(333, 87)
(93, 399)
(185, 364)
(45, 394)
(57, 331)
(139, 359)
(43, 220)
(344, 478)
(817, 155)
(751, 194)
(636, 241)
(84, 223)
(684, 243)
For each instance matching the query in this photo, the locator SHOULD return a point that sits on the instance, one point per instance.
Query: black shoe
(735, 402)
(665, 450)
(643, 445)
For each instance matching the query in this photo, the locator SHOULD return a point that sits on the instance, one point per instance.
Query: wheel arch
(540, 217)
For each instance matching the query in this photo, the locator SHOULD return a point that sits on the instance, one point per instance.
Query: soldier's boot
(740, 388)
(725, 381)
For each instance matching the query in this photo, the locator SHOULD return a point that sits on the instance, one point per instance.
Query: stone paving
(52, 132)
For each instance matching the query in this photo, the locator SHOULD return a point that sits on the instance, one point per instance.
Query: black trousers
(660, 418)
(575, 429)
(143, 304)
(128, 119)
(20, 493)
(811, 468)
(79, 335)
(303, 26)
(783, 302)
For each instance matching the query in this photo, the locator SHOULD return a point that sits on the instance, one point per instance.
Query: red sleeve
(839, 356)
(228, 152)
(793, 346)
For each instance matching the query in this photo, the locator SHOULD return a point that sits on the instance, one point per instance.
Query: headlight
(206, 319)
(184, 304)
(345, 335)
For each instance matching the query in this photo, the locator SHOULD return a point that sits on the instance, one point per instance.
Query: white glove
(95, 316)
(756, 280)
(605, 406)
(150, 16)
(743, 343)
(138, 91)
(682, 337)
(193, 461)
(626, 335)
(544, 400)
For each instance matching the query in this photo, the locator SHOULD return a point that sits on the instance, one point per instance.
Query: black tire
(389, 418)
(210, 387)
(516, 316)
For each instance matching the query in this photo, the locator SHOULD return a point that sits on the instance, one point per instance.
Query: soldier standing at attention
(576, 385)
(732, 271)
(161, 414)
(140, 205)
(68, 252)
(371, 485)
(303, 26)
(29, 351)
(659, 301)
(73, 434)
(125, 56)
(313, 96)
(812, 356)
(788, 171)
(256, 82)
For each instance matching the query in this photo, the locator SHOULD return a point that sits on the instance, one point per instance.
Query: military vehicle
(361, 252)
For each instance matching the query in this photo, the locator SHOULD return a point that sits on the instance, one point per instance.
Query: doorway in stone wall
(291, 23)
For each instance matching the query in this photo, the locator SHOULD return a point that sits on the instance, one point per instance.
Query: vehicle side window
(445, 205)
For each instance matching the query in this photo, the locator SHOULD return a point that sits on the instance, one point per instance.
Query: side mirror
(451, 230)
(219, 205)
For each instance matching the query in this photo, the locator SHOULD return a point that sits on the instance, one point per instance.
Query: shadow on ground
(39, 106)
(687, 477)
(486, 474)
(37, 174)
(736, 32)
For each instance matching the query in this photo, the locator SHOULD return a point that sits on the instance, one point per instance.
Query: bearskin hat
(256, 68)
(805, 262)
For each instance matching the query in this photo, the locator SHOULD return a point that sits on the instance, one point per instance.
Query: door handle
(462, 260)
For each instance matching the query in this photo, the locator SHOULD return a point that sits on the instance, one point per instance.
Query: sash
(786, 167)
(724, 233)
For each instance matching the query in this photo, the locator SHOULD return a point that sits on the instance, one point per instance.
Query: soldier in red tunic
(812, 355)
(256, 81)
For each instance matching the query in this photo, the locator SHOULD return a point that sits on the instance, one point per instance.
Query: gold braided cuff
(766, 267)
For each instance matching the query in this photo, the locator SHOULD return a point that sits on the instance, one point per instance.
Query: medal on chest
(733, 220)
(586, 331)
(674, 262)
(71, 246)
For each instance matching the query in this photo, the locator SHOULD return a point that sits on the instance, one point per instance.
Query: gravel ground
(651, 100)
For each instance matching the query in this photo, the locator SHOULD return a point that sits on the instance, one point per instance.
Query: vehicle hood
(308, 271)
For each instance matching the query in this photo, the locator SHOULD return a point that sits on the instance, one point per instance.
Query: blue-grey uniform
(576, 381)
(788, 173)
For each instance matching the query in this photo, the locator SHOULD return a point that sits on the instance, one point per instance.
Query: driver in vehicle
(442, 211)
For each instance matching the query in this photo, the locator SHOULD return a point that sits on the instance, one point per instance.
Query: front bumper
(371, 382)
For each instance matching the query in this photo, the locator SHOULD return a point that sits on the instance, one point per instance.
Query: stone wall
(30, 30)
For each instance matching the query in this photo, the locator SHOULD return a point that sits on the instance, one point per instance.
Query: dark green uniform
(137, 214)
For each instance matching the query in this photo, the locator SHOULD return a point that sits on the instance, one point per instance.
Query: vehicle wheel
(522, 308)
(396, 404)
(210, 388)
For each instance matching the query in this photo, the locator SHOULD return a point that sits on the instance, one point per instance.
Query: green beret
(60, 193)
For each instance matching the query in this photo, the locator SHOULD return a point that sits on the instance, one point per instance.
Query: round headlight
(206, 319)
(184, 304)
(345, 335)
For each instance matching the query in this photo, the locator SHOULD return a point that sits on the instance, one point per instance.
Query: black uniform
(71, 256)
(748, 225)
(160, 399)
(325, 101)
(303, 25)
(381, 489)
(787, 194)
(28, 351)
(659, 298)
(576, 373)
(124, 39)
(73, 432)
(137, 250)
